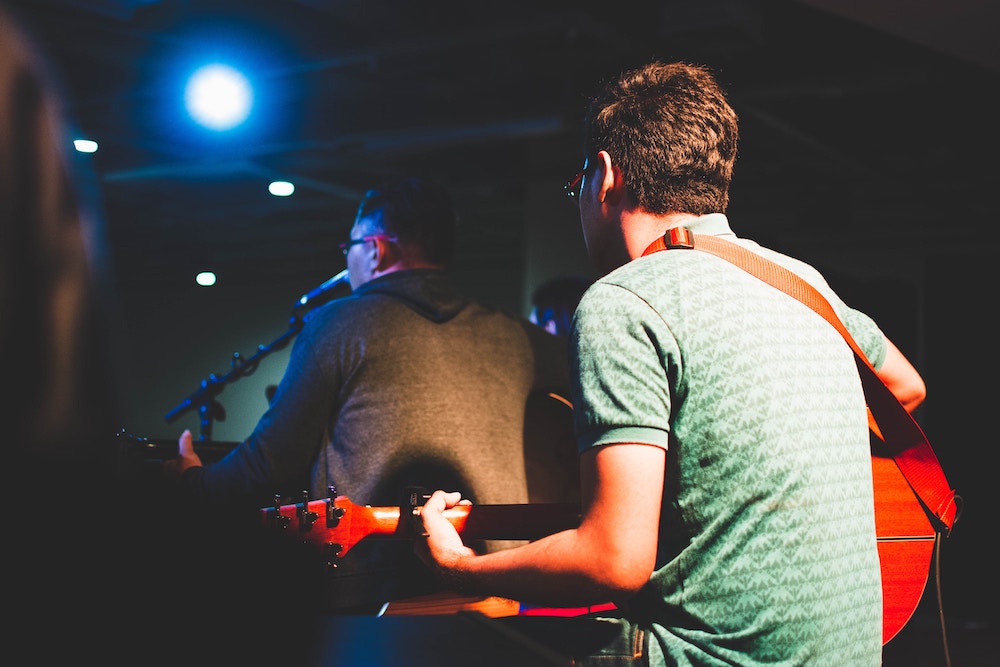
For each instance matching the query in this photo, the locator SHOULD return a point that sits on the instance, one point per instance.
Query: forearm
(558, 571)
(902, 378)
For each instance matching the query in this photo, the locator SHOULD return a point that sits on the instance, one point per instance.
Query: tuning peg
(333, 552)
(333, 513)
(279, 519)
(306, 517)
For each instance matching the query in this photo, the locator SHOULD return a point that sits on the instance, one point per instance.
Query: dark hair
(419, 213)
(672, 133)
(556, 300)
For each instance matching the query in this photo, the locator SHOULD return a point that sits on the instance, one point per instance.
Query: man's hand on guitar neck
(607, 555)
(442, 545)
(186, 457)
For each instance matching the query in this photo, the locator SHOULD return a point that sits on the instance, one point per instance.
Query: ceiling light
(85, 145)
(218, 97)
(205, 278)
(281, 188)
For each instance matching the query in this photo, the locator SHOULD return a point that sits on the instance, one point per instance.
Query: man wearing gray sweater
(406, 382)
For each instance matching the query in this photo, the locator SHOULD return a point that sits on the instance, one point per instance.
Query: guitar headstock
(335, 524)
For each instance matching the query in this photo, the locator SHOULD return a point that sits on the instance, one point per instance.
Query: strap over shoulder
(893, 425)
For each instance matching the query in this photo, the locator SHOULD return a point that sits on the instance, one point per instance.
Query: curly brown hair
(672, 133)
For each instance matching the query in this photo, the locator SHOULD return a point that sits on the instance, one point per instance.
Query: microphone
(307, 300)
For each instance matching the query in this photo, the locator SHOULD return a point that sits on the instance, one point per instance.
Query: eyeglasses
(574, 186)
(346, 245)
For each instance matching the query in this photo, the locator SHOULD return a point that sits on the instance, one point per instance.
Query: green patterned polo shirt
(767, 553)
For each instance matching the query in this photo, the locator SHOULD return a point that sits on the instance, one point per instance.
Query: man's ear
(386, 253)
(611, 190)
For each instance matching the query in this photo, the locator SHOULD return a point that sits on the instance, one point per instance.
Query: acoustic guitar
(335, 524)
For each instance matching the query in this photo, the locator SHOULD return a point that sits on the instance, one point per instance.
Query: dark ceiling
(877, 132)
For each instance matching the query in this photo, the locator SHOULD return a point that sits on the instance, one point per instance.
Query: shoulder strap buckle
(678, 237)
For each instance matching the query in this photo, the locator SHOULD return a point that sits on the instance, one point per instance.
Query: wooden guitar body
(905, 545)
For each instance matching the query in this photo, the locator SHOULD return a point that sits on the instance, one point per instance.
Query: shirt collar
(715, 224)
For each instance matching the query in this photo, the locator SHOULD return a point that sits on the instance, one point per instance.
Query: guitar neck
(339, 524)
(510, 522)
(156, 449)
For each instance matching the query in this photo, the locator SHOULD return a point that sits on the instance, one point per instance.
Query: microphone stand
(203, 398)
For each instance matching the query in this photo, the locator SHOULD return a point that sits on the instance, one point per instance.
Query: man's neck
(404, 266)
(640, 228)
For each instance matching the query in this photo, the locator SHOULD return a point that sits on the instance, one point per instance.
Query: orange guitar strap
(895, 428)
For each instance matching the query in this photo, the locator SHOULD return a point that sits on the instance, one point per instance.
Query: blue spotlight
(218, 97)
